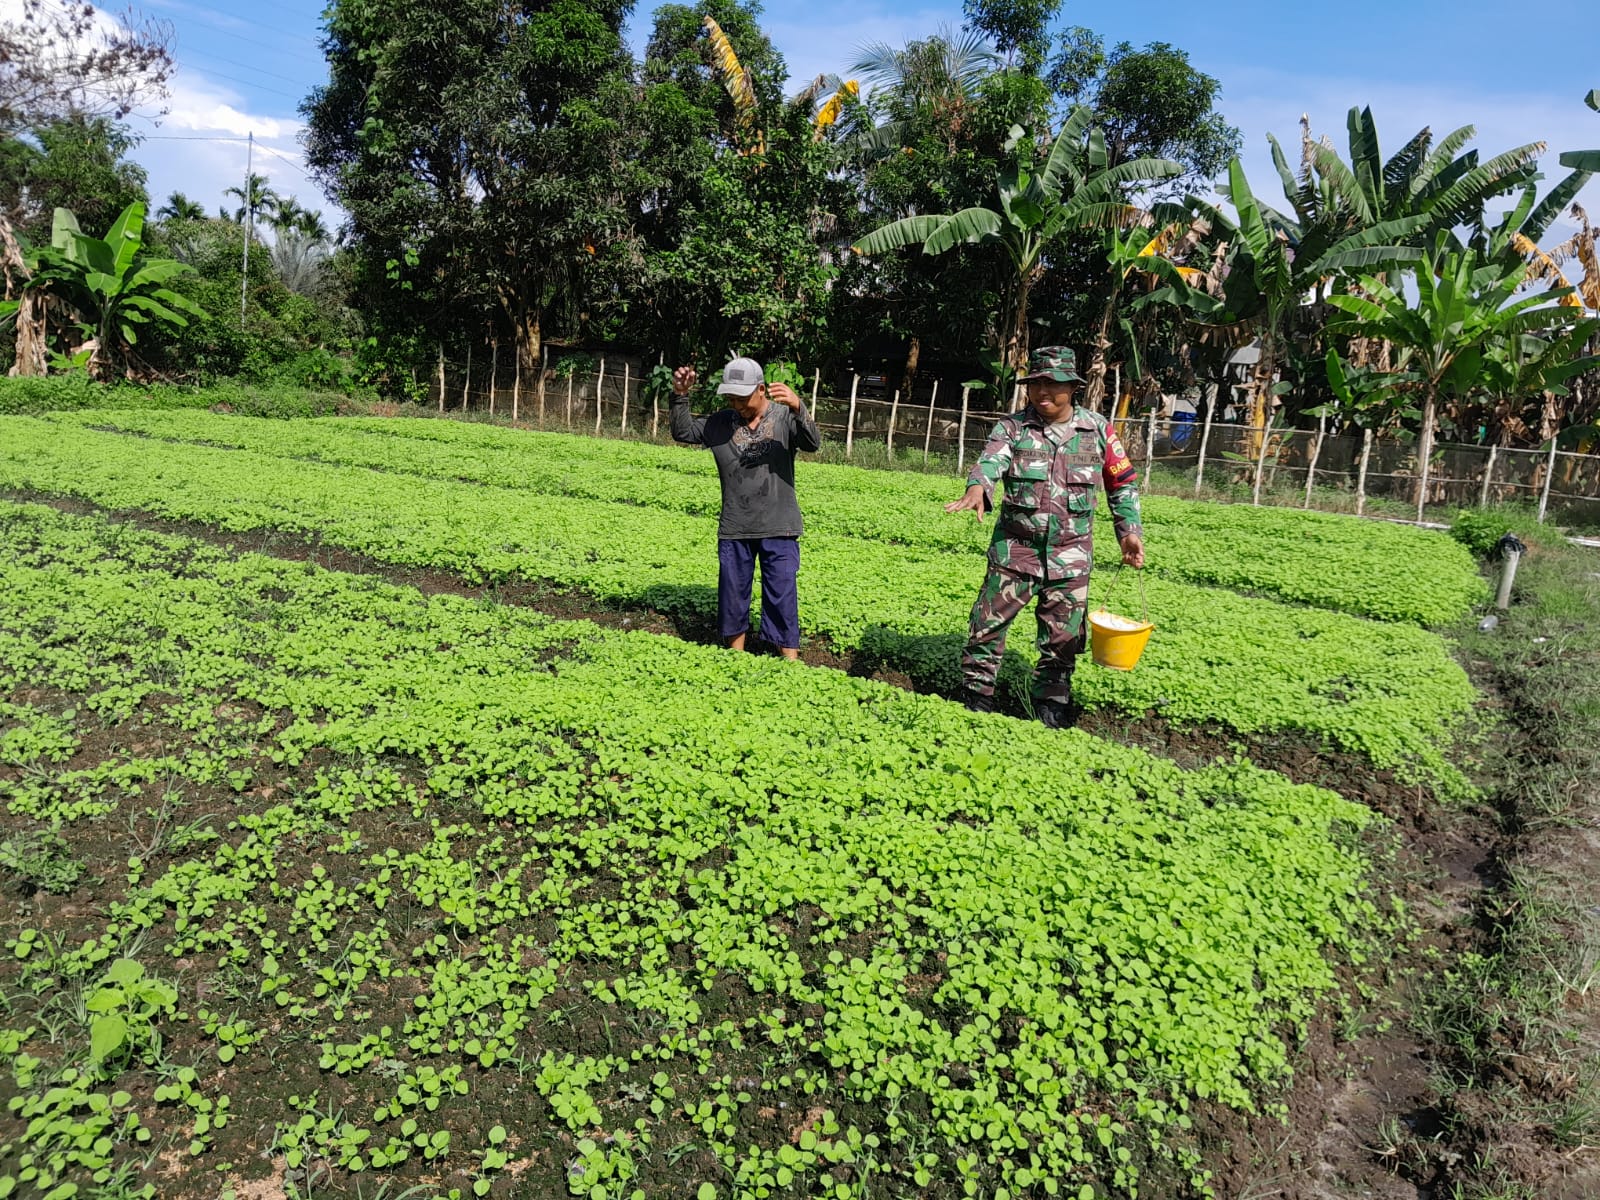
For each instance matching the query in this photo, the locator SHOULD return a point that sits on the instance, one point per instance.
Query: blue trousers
(780, 600)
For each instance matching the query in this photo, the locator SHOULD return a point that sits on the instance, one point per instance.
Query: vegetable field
(332, 887)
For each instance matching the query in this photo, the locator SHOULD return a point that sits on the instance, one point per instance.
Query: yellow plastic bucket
(1117, 642)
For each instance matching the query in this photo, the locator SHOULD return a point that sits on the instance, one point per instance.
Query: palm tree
(1075, 189)
(286, 213)
(1465, 308)
(180, 208)
(301, 261)
(256, 196)
(312, 227)
(936, 80)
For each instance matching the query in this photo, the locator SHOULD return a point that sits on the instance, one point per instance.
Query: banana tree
(111, 288)
(1136, 249)
(1437, 181)
(1274, 266)
(1585, 160)
(1465, 308)
(1074, 189)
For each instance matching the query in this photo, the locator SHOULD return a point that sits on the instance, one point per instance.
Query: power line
(200, 17)
(288, 160)
(250, 83)
(247, 66)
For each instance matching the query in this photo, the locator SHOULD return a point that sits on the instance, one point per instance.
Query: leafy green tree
(281, 330)
(1465, 309)
(1018, 28)
(77, 163)
(480, 151)
(1034, 203)
(111, 288)
(1150, 102)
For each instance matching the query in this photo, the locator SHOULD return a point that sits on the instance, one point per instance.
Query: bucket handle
(1116, 581)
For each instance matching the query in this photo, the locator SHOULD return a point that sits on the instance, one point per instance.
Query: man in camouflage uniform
(1045, 460)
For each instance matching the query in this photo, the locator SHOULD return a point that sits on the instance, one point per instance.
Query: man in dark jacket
(754, 441)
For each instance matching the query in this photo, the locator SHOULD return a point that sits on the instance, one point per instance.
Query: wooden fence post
(1549, 478)
(441, 375)
(494, 367)
(1316, 453)
(1488, 476)
(1361, 472)
(961, 433)
(599, 391)
(570, 378)
(544, 368)
(850, 421)
(516, 383)
(816, 382)
(1149, 444)
(1261, 459)
(1205, 436)
(927, 434)
(655, 399)
(627, 375)
(894, 411)
(466, 380)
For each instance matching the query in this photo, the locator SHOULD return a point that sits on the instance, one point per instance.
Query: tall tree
(1151, 102)
(477, 149)
(1020, 29)
(255, 197)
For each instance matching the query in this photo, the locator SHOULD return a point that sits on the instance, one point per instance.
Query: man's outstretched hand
(783, 394)
(1133, 551)
(683, 380)
(972, 499)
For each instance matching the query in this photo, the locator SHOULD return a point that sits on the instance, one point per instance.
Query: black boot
(976, 701)
(1053, 714)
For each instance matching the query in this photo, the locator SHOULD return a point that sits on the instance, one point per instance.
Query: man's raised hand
(784, 395)
(683, 380)
(971, 499)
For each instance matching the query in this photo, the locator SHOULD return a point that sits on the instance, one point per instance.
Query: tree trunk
(1095, 381)
(1261, 391)
(527, 327)
(913, 356)
(31, 309)
(1425, 450)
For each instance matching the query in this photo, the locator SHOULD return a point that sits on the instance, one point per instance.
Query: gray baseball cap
(740, 377)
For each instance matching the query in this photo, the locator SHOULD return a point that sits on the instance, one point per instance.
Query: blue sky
(244, 67)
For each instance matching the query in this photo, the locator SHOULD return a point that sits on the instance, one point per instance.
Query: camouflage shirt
(1047, 476)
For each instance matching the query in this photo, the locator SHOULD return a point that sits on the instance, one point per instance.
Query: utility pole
(249, 221)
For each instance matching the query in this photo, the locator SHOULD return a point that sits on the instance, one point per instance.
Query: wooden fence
(947, 426)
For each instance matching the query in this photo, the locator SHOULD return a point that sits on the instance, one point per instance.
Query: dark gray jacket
(756, 466)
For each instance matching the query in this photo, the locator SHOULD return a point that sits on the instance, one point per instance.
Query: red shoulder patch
(1117, 468)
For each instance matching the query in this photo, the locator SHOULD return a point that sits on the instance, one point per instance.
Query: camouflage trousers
(1063, 606)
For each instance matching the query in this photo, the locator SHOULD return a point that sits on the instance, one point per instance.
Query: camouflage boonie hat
(1054, 362)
